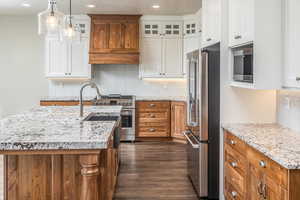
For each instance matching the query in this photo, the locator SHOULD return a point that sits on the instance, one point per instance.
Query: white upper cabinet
(241, 19)
(211, 22)
(292, 44)
(69, 60)
(161, 49)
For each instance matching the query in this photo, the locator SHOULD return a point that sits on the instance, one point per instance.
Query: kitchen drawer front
(235, 160)
(153, 131)
(154, 115)
(154, 124)
(235, 179)
(268, 167)
(231, 193)
(159, 119)
(235, 143)
(153, 105)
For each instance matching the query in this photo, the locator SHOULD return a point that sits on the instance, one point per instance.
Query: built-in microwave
(243, 64)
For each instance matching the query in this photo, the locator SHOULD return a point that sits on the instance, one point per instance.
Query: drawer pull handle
(259, 188)
(234, 194)
(297, 78)
(152, 105)
(262, 164)
(208, 39)
(232, 142)
(237, 37)
(264, 191)
(151, 129)
(234, 164)
(152, 115)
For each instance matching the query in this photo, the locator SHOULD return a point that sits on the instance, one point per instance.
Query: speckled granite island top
(56, 128)
(276, 142)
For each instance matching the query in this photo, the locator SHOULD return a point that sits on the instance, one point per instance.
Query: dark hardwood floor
(153, 171)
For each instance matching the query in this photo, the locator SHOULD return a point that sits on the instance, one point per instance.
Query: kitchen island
(50, 153)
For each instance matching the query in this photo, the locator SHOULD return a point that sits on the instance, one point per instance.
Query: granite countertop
(66, 98)
(57, 128)
(161, 98)
(276, 142)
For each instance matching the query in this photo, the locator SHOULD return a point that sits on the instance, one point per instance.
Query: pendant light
(50, 21)
(71, 31)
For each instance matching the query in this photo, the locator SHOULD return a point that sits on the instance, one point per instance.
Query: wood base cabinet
(178, 120)
(250, 175)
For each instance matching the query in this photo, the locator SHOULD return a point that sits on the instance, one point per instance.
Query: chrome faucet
(92, 85)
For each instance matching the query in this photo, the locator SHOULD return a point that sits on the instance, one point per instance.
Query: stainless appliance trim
(195, 146)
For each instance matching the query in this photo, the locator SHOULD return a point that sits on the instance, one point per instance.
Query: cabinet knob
(262, 164)
(237, 37)
(234, 164)
(232, 142)
(208, 39)
(151, 129)
(234, 194)
(297, 78)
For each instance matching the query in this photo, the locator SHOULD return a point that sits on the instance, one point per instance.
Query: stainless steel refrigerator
(204, 121)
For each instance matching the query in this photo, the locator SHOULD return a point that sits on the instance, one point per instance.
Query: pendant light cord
(70, 13)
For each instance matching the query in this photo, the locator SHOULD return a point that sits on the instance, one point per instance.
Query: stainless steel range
(127, 114)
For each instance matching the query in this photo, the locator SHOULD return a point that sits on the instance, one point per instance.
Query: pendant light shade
(71, 31)
(51, 20)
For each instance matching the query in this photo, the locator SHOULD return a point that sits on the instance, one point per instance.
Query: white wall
(120, 79)
(22, 79)
(240, 105)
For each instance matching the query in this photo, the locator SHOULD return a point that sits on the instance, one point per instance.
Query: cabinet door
(272, 190)
(56, 58)
(255, 183)
(191, 28)
(151, 29)
(172, 57)
(178, 119)
(211, 16)
(292, 32)
(241, 17)
(151, 60)
(100, 36)
(130, 36)
(80, 66)
(172, 29)
(115, 35)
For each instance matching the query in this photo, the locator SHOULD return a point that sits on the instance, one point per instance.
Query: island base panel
(61, 177)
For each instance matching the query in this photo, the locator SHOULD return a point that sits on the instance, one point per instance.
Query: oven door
(127, 125)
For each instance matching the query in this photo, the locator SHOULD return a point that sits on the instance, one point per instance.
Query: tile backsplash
(120, 79)
(288, 109)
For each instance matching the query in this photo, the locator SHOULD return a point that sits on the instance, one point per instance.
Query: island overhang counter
(50, 153)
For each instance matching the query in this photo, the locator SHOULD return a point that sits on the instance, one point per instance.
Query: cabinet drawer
(231, 193)
(235, 178)
(153, 105)
(153, 132)
(235, 143)
(154, 124)
(235, 160)
(273, 170)
(154, 115)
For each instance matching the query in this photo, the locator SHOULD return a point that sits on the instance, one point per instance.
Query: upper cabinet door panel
(172, 29)
(115, 36)
(131, 31)
(151, 29)
(100, 36)
(211, 16)
(172, 57)
(79, 59)
(241, 19)
(292, 33)
(56, 58)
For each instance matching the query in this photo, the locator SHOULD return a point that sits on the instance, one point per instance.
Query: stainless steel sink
(101, 117)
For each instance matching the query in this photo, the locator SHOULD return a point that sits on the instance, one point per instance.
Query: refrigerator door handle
(195, 146)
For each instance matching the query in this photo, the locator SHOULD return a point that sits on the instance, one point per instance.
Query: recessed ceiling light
(27, 5)
(90, 6)
(156, 6)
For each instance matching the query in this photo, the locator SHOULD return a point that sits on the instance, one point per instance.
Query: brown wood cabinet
(250, 175)
(178, 120)
(153, 119)
(114, 39)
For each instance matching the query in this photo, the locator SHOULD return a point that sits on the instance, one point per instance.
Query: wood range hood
(114, 39)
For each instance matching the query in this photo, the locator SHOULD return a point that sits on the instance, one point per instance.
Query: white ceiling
(167, 7)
